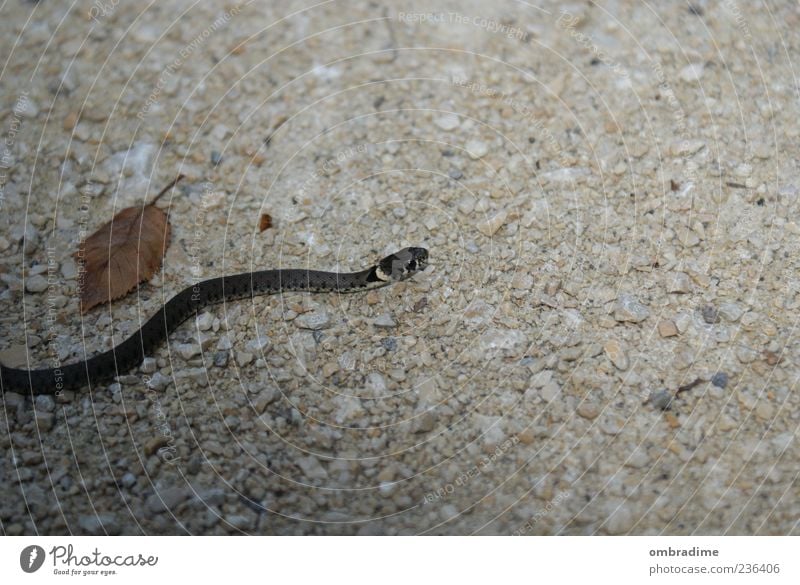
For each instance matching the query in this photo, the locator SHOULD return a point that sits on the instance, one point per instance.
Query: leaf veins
(124, 252)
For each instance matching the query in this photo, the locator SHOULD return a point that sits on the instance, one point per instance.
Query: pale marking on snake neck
(381, 274)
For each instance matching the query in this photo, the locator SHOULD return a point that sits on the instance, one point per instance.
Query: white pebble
(692, 72)
(314, 320)
(504, 340)
(26, 108)
(730, 311)
(385, 321)
(213, 200)
(259, 345)
(628, 309)
(448, 122)
(69, 269)
(312, 468)
(36, 284)
(679, 282)
(187, 350)
(159, 381)
(565, 175)
(149, 365)
(477, 149)
(616, 354)
(377, 383)
(490, 226)
(205, 321)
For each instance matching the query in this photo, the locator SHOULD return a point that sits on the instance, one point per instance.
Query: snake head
(402, 265)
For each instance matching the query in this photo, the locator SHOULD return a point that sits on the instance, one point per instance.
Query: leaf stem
(167, 188)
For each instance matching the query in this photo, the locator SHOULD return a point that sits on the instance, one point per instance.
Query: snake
(130, 353)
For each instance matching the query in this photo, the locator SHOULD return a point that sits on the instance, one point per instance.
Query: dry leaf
(265, 222)
(124, 252)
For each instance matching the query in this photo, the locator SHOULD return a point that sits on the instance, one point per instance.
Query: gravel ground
(605, 342)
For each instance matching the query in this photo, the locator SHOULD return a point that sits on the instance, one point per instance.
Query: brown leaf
(265, 222)
(124, 252)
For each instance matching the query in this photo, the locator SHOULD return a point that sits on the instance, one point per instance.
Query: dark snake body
(130, 353)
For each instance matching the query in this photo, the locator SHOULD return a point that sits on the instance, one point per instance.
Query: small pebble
(45, 403)
(385, 321)
(187, 350)
(692, 72)
(477, 149)
(620, 519)
(376, 383)
(314, 320)
(155, 443)
(258, 345)
(500, 340)
(616, 354)
(13, 400)
(550, 391)
(128, 480)
(628, 309)
(166, 499)
(710, 314)
(26, 108)
(730, 311)
(425, 422)
(683, 321)
(389, 343)
(588, 410)
(667, 328)
(661, 399)
(159, 381)
(221, 358)
(312, 468)
(612, 424)
(489, 226)
(765, 410)
(686, 147)
(44, 420)
(687, 237)
(149, 365)
(746, 355)
(679, 282)
(69, 269)
(448, 122)
(36, 284)
(204, 321)
(455, 174)
(99, 524)
(216, 157)
(265, 398)
(720, 379)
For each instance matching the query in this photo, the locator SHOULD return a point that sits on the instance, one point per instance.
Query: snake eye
(412, 265)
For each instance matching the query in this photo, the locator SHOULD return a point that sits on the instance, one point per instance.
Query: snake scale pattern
(130, 353)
